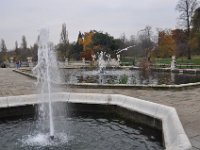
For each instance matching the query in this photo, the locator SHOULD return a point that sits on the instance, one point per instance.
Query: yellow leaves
(87, 42)
(166, 44)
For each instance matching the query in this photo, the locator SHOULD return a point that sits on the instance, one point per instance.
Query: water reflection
(130, 77)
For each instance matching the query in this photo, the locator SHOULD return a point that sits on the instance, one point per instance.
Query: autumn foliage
(94, 42)
(166, 44)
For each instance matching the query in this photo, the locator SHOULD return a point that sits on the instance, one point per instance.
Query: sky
(27, 17)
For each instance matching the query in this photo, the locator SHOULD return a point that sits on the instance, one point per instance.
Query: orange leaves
(87, 45)
(87, 42)
(87, 54)
(166, 44)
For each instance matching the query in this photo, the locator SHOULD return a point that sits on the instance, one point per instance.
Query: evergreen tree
(24, 43)
(77, 47)
(16, 45)
(64, 42)
(3, 51)
(3, 46)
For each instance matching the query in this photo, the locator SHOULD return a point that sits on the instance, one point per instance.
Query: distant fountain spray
(46, 71)
(101, 62)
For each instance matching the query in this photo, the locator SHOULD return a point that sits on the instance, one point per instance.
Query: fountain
(101, 62)
(104, 115)
(47, 73)
(110, 62)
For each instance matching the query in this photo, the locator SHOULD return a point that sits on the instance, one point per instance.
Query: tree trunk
(189, 53)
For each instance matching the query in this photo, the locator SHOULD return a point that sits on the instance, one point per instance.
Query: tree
(186, 9)
(166, 44)
(146, 42)
(16, 49)
(64, 40)
(16, 45)
(23, 52)
(195, 35)
(3, 46)
(102, 42)
(87, 45)
(196, 20)
(123, 39)
(3, 51)
(24, 43)
(96, 41)
(180, 38)
(77, 47)
(80, 38)
(34, 51)
(87, 42)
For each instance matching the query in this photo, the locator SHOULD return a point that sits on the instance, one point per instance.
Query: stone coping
(173, 132)
(176, 70)
(138, 86)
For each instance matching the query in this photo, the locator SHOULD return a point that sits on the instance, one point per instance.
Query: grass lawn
(181, 60)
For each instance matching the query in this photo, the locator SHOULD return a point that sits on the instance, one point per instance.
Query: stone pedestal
(12, 65)
(173, 63)
(66, 62)
(30, 62)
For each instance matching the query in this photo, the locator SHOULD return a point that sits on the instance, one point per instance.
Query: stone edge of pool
(94, 85)
(173, 132)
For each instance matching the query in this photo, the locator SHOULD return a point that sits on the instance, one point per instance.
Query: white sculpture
(66, 62)
(93, 57)
(118, 57)
(12, 65)
(173, 63)
(83, 61)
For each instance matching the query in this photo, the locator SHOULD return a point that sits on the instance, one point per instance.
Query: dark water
(131, 77)
(77, 133)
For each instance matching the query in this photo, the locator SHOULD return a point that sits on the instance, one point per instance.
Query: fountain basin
(129, 77)
(162, 79)
(152, 114)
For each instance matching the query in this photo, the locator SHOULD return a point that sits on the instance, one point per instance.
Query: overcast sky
(26, 17)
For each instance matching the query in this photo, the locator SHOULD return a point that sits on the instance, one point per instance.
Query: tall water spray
(46, 71)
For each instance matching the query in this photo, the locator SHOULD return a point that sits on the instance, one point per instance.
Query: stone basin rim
(173, 132)
(95, 85)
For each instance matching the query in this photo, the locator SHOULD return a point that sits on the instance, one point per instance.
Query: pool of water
(80, 132)
(130, 77)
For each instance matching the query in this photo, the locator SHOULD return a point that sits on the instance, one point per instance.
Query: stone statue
(12, 65)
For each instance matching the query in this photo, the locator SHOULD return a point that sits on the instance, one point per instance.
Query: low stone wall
(94, 85)
(174, 134)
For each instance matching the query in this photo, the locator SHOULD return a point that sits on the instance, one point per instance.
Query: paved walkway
(186, 102)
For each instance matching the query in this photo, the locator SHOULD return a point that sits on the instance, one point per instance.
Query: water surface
(78, 133)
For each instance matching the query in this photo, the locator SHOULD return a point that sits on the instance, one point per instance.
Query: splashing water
(101, 62)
